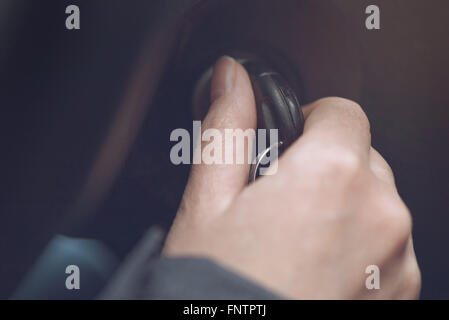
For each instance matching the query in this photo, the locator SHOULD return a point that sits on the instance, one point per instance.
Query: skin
(310, 230)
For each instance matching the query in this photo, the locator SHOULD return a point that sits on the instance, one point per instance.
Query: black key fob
(277, 108)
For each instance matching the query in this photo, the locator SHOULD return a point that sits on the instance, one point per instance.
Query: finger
(335, 125)
(380, 167)
(212, 186)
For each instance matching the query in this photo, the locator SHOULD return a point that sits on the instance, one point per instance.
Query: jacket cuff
(145, 275)
(198, 278)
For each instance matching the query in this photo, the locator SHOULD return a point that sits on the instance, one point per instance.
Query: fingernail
(223, 77)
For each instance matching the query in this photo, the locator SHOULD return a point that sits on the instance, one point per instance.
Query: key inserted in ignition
(277, 108)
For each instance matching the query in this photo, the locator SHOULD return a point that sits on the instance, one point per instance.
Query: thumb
(212, 186)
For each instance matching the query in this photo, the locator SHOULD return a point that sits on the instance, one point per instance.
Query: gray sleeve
(144, 275)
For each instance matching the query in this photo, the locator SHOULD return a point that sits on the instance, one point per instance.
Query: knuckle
(338, 162)
(403, 226)
(381, 167)
(338, 101)
(348, 107)
(396, 221)
(341, 102)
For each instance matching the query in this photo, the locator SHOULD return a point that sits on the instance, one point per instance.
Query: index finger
(336, 123)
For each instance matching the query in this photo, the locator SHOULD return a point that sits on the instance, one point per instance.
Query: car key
(277, 108)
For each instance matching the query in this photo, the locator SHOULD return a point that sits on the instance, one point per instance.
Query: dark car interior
(86, 115)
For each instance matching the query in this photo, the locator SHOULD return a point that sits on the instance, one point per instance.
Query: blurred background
(85, 115)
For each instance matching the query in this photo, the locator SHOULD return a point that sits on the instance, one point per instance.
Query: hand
(310, 230)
